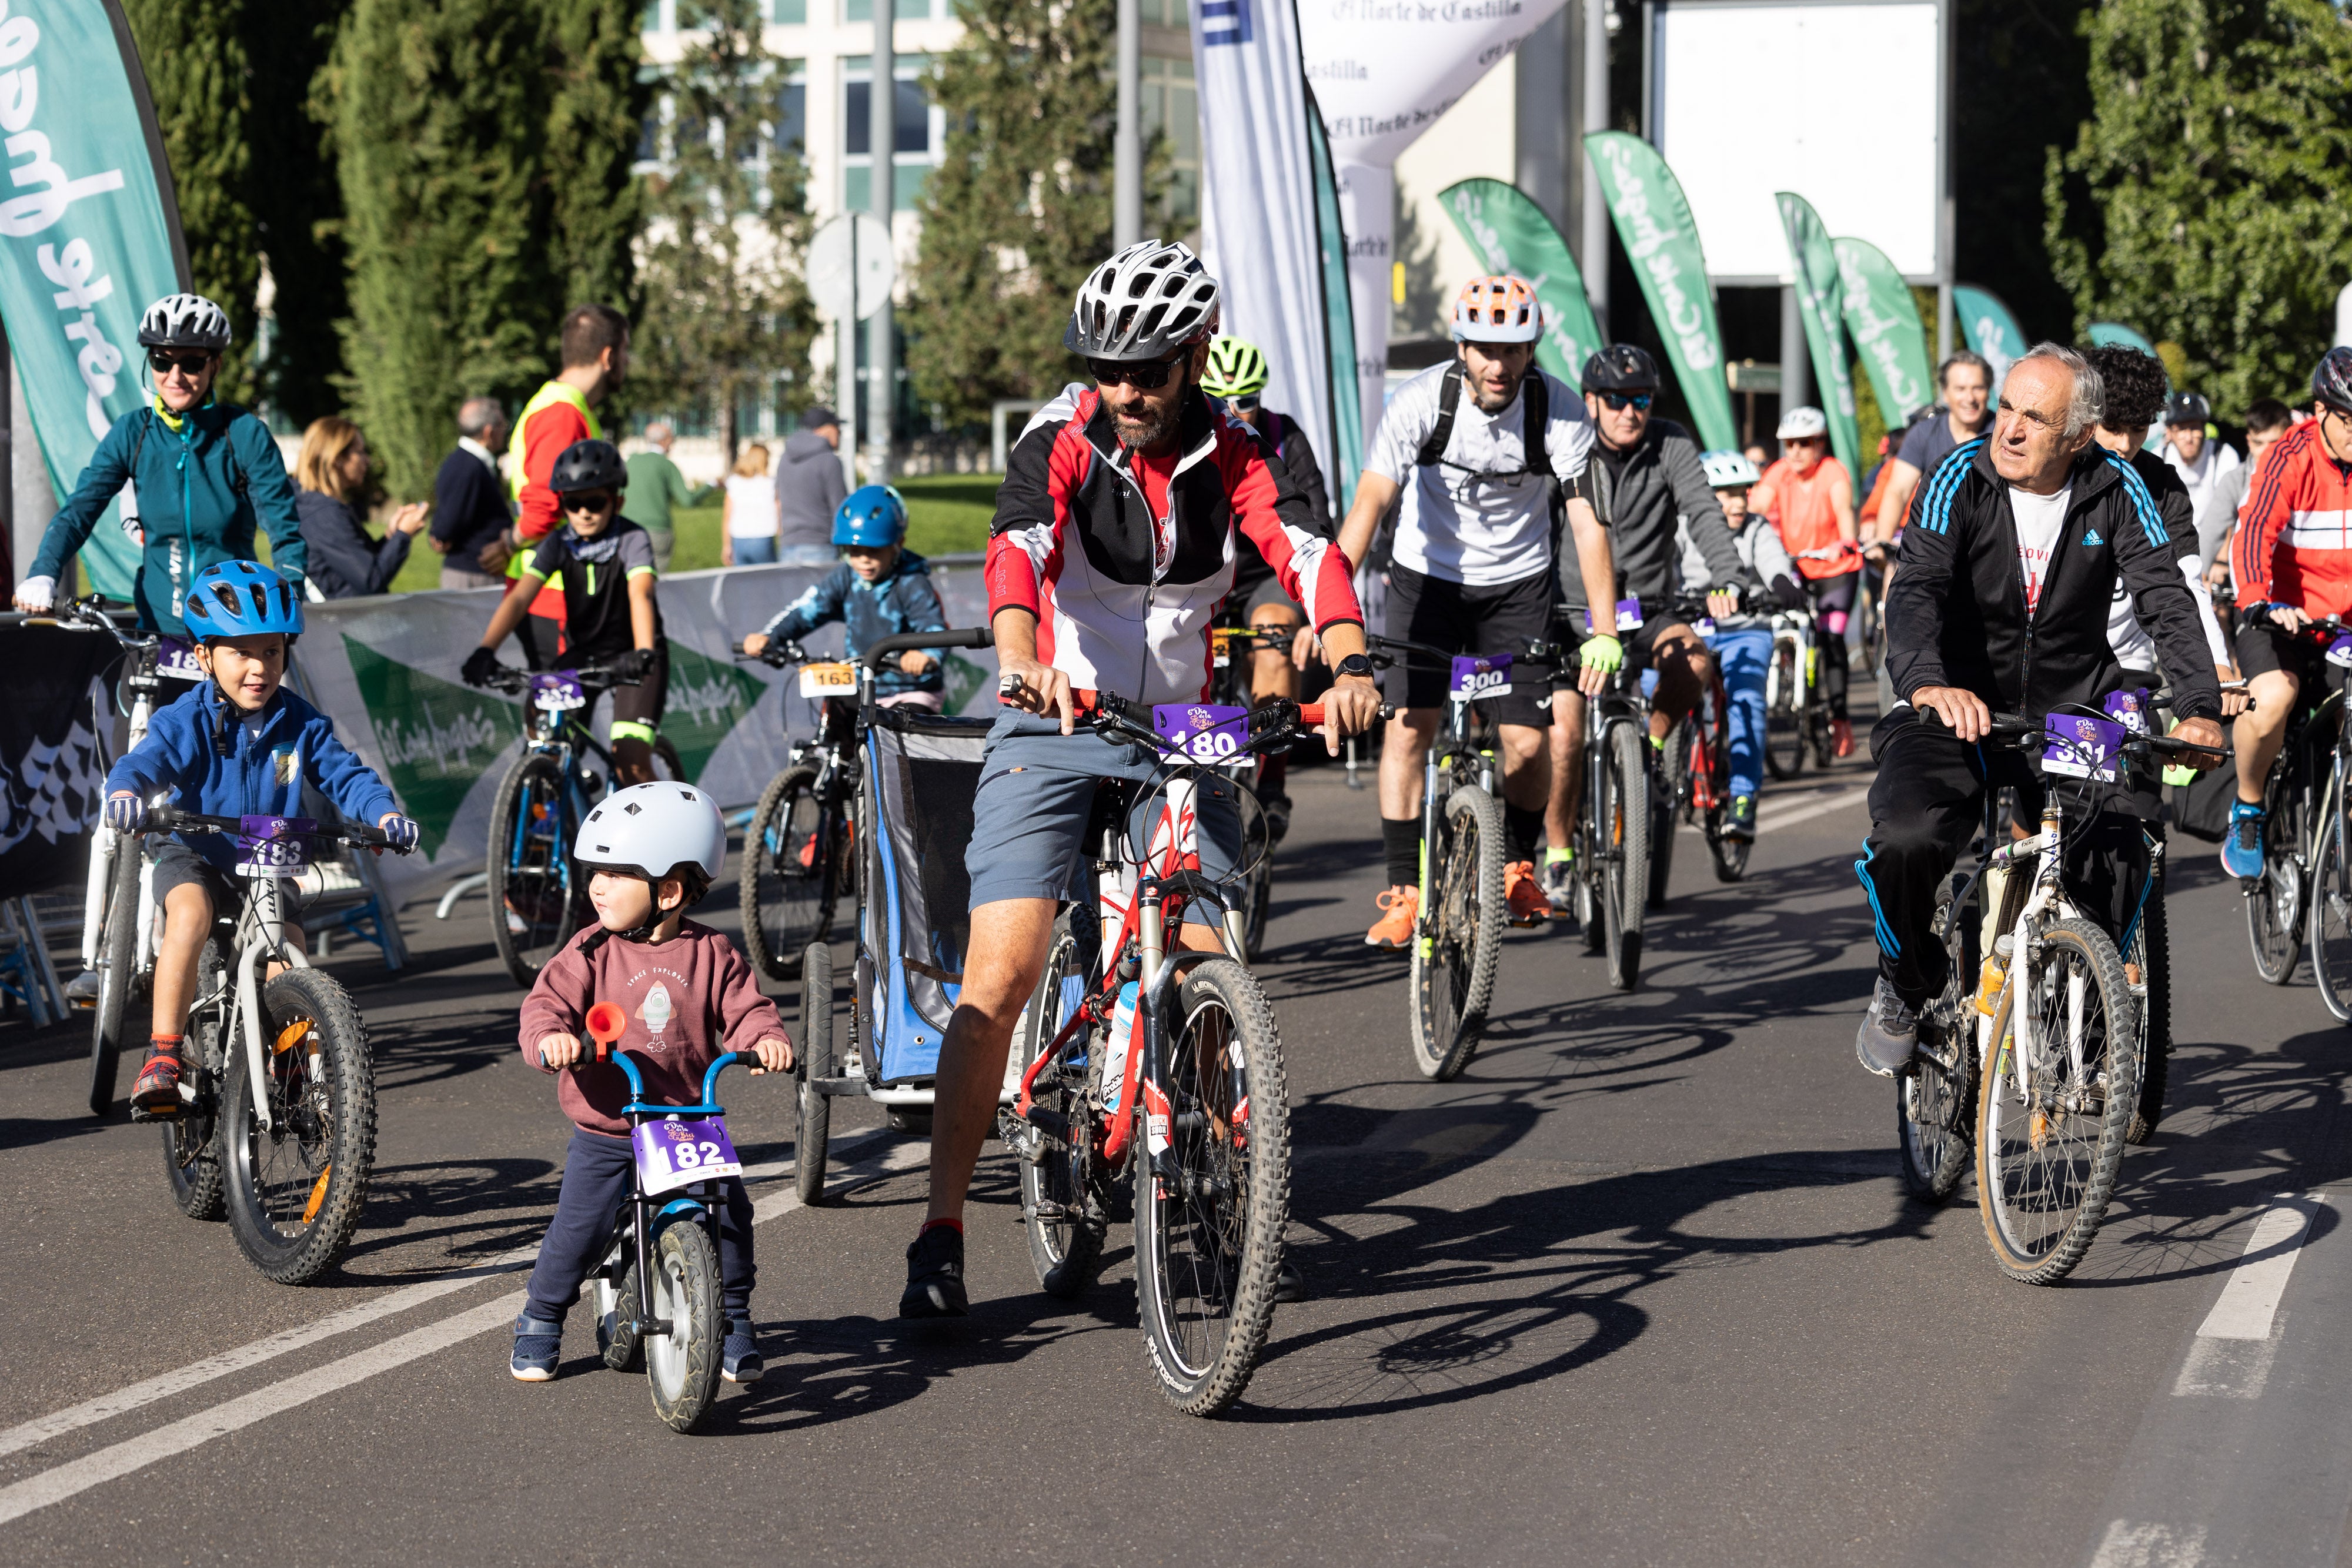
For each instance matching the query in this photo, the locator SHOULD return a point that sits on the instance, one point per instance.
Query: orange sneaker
(1523, 895)
(1840, 737)
(1400, 907)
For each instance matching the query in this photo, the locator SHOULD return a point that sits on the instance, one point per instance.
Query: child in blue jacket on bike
(879, 589)
(238, 745)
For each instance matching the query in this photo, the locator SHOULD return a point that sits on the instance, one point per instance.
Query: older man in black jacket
(1999, 603)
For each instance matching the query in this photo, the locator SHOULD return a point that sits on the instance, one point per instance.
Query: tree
(726, 225)
(2215, 206)
(595, 113)
(1019, 209)
(2020, 76)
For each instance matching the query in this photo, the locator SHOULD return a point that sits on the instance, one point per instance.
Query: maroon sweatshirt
(689, 1001)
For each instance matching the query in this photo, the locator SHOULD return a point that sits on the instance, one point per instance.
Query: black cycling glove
(1786, 590)
(480, 666)
(636, 664)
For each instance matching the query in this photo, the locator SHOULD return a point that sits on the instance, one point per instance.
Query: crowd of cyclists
(2030, 558)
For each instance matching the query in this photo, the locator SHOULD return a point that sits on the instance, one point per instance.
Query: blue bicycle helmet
(242, 599)
(873, 517)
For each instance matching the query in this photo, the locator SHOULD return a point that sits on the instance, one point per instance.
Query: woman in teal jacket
(207, 474)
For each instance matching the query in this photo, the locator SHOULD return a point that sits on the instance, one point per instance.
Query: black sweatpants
(1833, 599)
(1925, 806)
(595, 1181)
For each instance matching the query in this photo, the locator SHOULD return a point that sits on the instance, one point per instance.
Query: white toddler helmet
(652, 831)
(1801, 424)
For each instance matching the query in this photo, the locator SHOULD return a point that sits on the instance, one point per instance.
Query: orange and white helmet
(1498, 309)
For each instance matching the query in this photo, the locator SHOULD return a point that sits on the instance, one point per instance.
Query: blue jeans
(1744, 656)
(755, 550)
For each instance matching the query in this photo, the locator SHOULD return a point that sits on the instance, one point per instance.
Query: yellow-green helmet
(1235, 369)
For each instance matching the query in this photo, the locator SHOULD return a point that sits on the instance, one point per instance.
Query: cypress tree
(1020, 207)
(2215, 206)
(597, 105)
(725, 306)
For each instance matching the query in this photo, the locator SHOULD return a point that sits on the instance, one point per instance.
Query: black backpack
(1537, 459)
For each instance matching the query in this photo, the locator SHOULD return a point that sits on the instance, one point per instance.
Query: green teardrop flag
(1339, 316)
(1820, 302)
(1508, 233)
(91, 235)
(438, 738)
(1991, 329)
(1886, 328)
(1653, 222)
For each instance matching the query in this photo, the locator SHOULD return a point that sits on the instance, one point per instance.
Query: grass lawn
(947, 514)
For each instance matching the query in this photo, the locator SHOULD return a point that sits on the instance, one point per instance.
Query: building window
(917, 132)
(1163, 14)
(904, 11)
(792, 108)
(788, 13)
(1172, 106)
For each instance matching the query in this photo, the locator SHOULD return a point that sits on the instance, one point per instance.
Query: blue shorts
(1037, 795)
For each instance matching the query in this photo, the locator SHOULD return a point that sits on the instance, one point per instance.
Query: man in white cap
(1808, 496)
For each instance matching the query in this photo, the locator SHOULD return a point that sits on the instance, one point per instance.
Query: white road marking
(1768, 818)
(2130, 1545)
(89, 1412)
(2252, 1297)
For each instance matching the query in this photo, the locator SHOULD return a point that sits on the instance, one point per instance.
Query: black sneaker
(935, 1275)
(739, 1357)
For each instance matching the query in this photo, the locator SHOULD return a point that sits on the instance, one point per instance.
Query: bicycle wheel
(192, 1139)
(2149, 961)
(1065, 1222)
(791, 874)
(118, 958)
(1669, 804)
(2274, 914)
(618, 1344)
(1934, 1100)
(295, 1189)
(1625, 853)
(1784, 695)
(812, 1125)
(682, 1365)
(2331, 918)
(537, 899)
(1211, 1206)
(2046, 1160)
(1460, 940)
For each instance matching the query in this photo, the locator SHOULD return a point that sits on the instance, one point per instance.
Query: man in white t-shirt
(1472, 568)
(2197, 457)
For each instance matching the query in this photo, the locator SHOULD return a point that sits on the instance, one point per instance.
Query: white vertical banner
(1384, 71)
(1258, 217)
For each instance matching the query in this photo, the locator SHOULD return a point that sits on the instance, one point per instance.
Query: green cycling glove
(2179, 773)
(1603, 653)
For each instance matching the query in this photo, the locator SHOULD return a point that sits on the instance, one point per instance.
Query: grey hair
(2090, 399)
(658, 431)
(477, 416)
(1963, 357)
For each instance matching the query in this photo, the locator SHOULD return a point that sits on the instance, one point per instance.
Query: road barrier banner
(1508, 233)
(386, 669)
(1820, 302)
(1991, 330)
(1885, 321)
(1660, 238)
(91, 235)
(52, 759)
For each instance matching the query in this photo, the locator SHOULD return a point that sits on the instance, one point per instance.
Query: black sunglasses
(1244, 405)
(1629, 400)
(1147, 374)
(192, 364)
(585, 501)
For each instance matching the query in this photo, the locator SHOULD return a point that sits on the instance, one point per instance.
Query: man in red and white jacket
(2292, 557)
(1112, 548)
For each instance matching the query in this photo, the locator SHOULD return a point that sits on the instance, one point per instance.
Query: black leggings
(1833, 599)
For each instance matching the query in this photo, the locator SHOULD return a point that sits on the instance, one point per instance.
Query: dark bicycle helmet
(2331, 382)
(1621, 367)
(588, 465)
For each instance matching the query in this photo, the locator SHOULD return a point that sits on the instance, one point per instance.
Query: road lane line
(111, 1463)
(1767, 817)
(198, 1373)
(2252, 1297)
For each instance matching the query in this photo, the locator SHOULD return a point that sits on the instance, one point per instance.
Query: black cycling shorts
(177, 866)
(642, 704)
(2262, 649)
(1464, 617)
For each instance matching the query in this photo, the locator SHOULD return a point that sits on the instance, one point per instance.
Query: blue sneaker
(539, 1345)
(739, 1358)
(2242, 852)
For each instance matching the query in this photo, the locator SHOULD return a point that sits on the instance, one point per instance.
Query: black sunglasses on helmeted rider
(192, 363)
(1622, 400)
(1147, 374)
(588, 501)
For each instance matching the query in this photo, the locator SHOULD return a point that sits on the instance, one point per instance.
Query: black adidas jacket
(1956, 613)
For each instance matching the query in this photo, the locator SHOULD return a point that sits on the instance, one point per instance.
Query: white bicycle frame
(1797, 630)
(2048, 897)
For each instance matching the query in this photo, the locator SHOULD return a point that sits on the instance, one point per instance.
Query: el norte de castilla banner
(90, 233)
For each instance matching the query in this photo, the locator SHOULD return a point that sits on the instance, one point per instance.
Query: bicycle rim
(1209, 1218)
(2330, 917)
(2046, 1162)
(537, 900)
(1934, 1108)
(682, 1365)
(1784, 735)
(295, 1189)
(1057, 1198)
(1625, 881)
(792, 855)
(1459, 945)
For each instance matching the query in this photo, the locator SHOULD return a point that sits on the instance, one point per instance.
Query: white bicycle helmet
(184, 321)
(654, 831)
(1727, 470)
(1798, 423)
(1144, 303)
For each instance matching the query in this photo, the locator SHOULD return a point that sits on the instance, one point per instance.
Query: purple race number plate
(274, 846)
(1481, 675)
(175, 660)
(678, 1150)
(557, 692)
(2082, 748)
(1200, 732)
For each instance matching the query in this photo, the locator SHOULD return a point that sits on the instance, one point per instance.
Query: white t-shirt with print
(1453, 524)
(2040, 518)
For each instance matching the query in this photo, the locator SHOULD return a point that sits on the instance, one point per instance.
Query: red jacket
(2293, 542)
(543, 437)
(1123, 594)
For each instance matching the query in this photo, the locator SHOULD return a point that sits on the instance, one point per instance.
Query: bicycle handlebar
(912, 641)
(171, 819)
(778, 654)
(602, 677)
(83, 615)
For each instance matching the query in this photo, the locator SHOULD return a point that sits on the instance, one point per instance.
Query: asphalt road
(1640, 1287)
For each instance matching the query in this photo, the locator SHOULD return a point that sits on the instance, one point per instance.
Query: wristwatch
(1354, 665)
